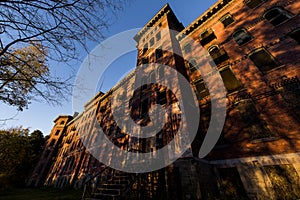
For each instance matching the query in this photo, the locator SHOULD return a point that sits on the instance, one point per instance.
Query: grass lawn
(41, 194)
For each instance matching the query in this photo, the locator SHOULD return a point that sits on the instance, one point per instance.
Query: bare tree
(33, 31)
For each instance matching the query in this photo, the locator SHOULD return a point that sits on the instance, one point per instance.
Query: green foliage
(19, 152)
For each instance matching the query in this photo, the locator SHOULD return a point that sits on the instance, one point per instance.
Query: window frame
(225, 17)
(246, 2)
(228, 67)
(277, 64)
(187, 48)
(246, 32)
(282, 11)
(203, 93)
(290, 34)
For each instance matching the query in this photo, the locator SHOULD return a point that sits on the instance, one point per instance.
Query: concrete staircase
(114, 188)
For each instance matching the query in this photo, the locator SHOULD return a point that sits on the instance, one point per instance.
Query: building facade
(254, 44)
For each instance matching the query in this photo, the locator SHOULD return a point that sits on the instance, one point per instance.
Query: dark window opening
(227, 20)
(145, 48)
(218, 55)
(242, 37)
(158, 53)
(145, 60)
(187, 48)
(231, 83)
(161, 97)
(277, 15)
(144, 107)
(295, 35)
(207, 36)
(252, 3)
(201, 89)
(158, 36)
(57, 132)
(263, 60)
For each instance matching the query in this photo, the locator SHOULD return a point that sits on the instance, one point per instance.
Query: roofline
(203, 18)
(152, 21)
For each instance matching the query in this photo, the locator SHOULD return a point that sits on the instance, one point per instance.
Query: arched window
(277, 15)
(241, 36)
(263, 60)
(226, 20)
(218, 55)
(62, 122)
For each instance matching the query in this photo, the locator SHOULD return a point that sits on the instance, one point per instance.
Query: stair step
(109, 191)
(113, 186)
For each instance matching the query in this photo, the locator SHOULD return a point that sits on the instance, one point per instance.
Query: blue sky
(136, 14)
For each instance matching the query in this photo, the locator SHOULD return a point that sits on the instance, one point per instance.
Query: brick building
(255, 47)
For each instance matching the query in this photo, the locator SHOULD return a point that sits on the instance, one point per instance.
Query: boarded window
(231, 83)
(263, 60)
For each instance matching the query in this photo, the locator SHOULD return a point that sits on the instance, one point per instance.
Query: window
(161, 97)
(295, 35)
(57, 132)
(227, 20)
(158, 36)
(218, 55)
(230, 81)
(158, 53)
(62, 122)
(152, 77)
(187, 48)
(201, 89)
(151, 42)
(252, 3)
(161, 72)
(207, 36)
(277, 15)
(145, 60)
(192, 65)
(144, 107)
(241, 37)
(263, 60)
(144, 83)
(145, 48)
